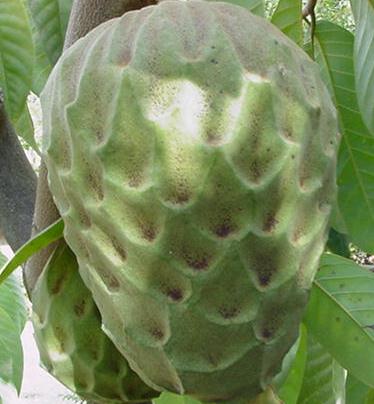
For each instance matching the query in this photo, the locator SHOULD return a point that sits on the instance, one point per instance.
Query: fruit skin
(191, 151)
(71, 343)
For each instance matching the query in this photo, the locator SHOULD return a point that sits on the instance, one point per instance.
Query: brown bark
(45, 214)
(17, 185)
(309, 8)
(85, 16)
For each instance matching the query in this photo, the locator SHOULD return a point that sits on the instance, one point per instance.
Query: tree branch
(17, 185)
(309, 8)
(45, 214)
(88, 14)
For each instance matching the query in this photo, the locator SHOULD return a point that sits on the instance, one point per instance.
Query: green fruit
(191, 152)
(71, 343)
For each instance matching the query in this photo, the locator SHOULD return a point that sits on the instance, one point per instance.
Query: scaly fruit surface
(72, 345)
(191, 151)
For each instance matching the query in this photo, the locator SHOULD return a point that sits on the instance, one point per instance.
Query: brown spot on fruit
(264, 258)
(157, 333)
(224, 229)
(84, 218)
(113, 283)
(79, 308)
(264, 279)
(287, 134)
(110, 281)
(61, 337)
(197, 263)
(298, 233)
(213, 360)
(228, 312)
(148, 232)
(265, 268)
(213, 139)
(175, 294)
(120, 250)
(57, 286)
(95, 183)
(267, 333)
(270, 223)
(99, 135)
(255, 171)
(135, 180)
(181, 197)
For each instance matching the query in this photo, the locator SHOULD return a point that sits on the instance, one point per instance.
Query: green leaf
(254, 6)
(290, 390)
(337, 243)
(337, 220)
(169, 398)
(334, 53)
(11, 354)
(287, 364)
(340, 314)
(288, 18)
(51, 18)
(323, 378)
(363, 11)
(16, 55)
(35, 244)
(12, 299)
(25, 129)
(356, 391)
(42, 68)
(42, 65)
(370, 397)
